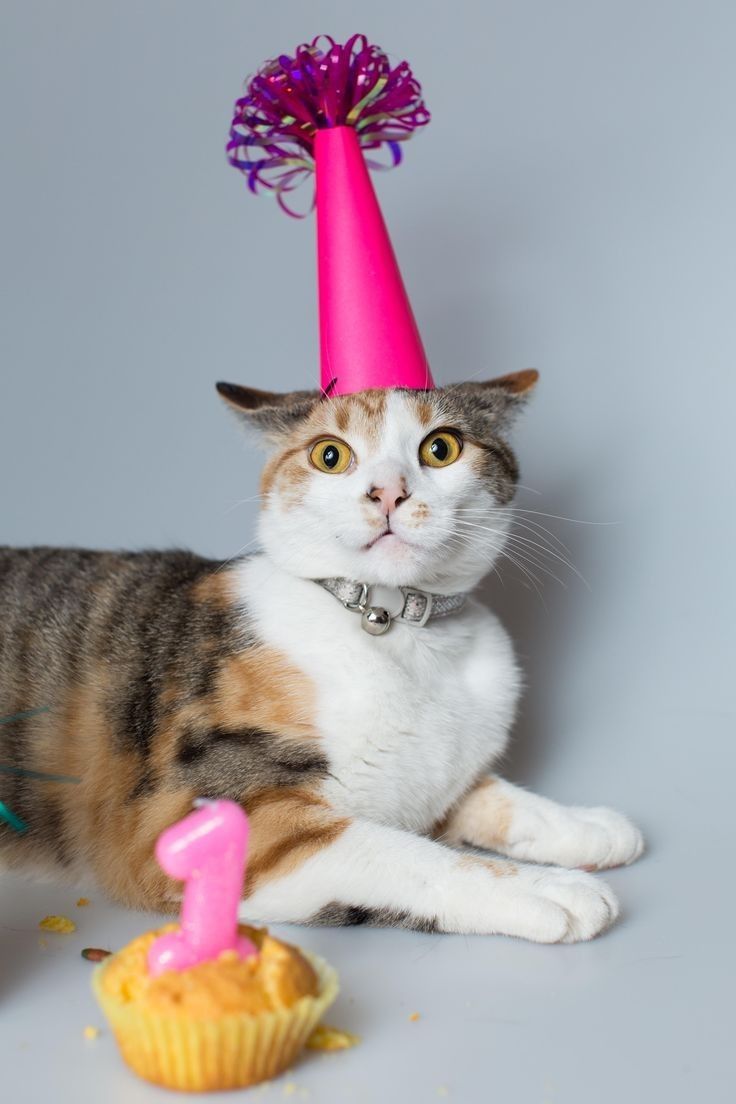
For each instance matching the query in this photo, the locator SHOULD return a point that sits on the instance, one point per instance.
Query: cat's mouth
(387, 532)
(387, 538)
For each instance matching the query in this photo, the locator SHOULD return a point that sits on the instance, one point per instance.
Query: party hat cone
(319, 110)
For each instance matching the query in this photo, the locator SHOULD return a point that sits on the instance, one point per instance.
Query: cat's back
(69, 598)
(67, 615)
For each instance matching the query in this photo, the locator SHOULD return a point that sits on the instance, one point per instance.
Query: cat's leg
(499, 816)
(368, 873)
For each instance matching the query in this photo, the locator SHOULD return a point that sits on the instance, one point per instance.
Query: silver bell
(376, 620)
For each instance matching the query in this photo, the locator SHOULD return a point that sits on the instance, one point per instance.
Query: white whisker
(235, 555)
(524, 544)
(242, 502)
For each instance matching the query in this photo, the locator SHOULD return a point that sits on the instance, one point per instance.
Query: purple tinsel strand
(325, 84)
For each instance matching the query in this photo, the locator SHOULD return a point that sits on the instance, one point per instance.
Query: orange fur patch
(482, 818)
(99, 815)
(419, 514)
(215, 590)
(261, 688)
(498, 869)
(288, 826)
(287, 469)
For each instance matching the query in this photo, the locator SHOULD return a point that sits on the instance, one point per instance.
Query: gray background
(571, 208)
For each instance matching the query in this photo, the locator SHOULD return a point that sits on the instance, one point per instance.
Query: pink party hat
(316, 112)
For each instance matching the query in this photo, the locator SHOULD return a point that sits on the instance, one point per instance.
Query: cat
(364, 759)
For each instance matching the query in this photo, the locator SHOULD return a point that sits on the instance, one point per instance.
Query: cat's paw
(618, 842)
(574, 906)
(587, 838)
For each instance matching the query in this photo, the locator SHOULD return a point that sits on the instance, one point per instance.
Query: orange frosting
(277, 977)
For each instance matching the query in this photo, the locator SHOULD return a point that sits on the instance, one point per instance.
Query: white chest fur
(408, 720)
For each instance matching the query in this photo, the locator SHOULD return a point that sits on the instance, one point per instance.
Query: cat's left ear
(274, 415)
(498, 399)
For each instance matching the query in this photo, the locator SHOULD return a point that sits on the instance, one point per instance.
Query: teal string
(26, 713)
(22, 772)
(7, 815)
(10, 818)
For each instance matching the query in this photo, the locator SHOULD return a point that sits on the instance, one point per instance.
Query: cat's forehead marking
(369, 414)
(341, 410)
(361, 415)
(425, 411)
(366, 415)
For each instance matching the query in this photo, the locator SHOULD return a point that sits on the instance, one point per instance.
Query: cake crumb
(82, 902)
(58, 924)
(325, 1037)
(91, 1032)
(415, 1016)
(290, 1088)
(42, 943)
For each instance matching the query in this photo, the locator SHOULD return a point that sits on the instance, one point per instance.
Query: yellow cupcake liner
(230, 1052)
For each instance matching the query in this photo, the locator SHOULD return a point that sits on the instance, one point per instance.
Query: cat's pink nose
(390, 496)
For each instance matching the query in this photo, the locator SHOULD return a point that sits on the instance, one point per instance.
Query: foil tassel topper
(325, 84)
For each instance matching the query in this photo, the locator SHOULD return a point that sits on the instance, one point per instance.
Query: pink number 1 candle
(206, 851)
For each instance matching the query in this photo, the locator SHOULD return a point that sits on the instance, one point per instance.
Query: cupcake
(224, 1023)
(209, 1003)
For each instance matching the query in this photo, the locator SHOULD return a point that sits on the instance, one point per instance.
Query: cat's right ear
(272, 414)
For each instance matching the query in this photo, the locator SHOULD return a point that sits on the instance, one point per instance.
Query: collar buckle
(359, 604)
(413, 598)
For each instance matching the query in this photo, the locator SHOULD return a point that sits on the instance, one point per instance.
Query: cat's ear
(500, 399)
(274, 415)
(516, 383)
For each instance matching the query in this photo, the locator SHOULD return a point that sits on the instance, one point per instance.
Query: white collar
(412, 606)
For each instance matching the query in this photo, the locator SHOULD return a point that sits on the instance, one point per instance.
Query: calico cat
(363, 758)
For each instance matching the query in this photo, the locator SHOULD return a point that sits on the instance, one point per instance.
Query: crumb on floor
(58, 924)
(414, 1017)
(82, 902)
(325, 1037)
(95, 954)
(91, 1032)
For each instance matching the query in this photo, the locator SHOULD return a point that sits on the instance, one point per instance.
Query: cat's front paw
(575, 836)
(585, 906)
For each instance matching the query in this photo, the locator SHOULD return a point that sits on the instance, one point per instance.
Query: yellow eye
(440, 448)
(331, 456)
